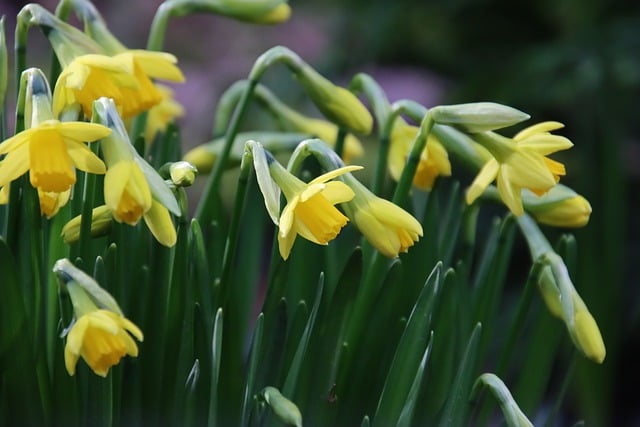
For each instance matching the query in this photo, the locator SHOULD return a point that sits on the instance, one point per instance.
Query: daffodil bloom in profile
(102, 338)
(132, 188)
(125, 77)
(160, 115)
(100, 333)
(559, 207)
(50, 150)
(51, 202)
(389, 228)
(310, 211)
(434, 160)
(520, 163)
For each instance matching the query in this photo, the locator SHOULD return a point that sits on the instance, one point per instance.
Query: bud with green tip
(183, 174)
(477, 116)
(101, 219)
(336, 103)
(559, 207)
(284, 409)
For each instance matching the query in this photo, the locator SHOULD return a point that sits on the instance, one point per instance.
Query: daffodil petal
(546, 144)
(16, 141)
(337, 192)
(288, 214)
(158, 65)
(14, 165)
(510, 193)
(159, 222)
(115, 182)
(310, 191)
(82, 131)
(285, 243)
(335, 173)
(543, 127)
(85, 159)
(76, 335)
(485, 177)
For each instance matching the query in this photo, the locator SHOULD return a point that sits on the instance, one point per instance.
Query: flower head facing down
(160, 115)
(50, 150)
(124, 77)
(434, 160)
(101, 338)
(100, 333)
(520, 163)
(310, 211)
(132, 188)
(388, 227)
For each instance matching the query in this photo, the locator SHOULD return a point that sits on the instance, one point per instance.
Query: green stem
(234, 227)
(566, 381)
(205, 208)
(339, 147)
(404, 185)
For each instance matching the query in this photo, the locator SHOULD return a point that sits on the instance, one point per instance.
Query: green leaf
(294, 370)
(409, 353)
(216, 357)
(456, 409)
(512, 413)
(254, 357)
(407, 410)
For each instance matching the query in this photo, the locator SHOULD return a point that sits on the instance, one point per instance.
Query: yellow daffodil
(124, 77)
(50, 151)
(160, 115)
(127, 192)
(132, 188)
(310, 210)
(51, 202)
(388, 227)
(520, 163)
(559, 207)
(102, 338)
(434, 160)
(100, 333)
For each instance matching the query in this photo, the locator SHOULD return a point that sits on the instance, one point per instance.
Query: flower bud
(183, 174)
(100, 225)
(559, 207)
(336, 103)
(477, 116)
(284, 409)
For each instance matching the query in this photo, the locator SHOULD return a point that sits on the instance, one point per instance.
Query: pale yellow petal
(288, 214)
(82, 131)
(159, 222)
(158, 65)
(485, 177)
(75, 337)
(115, 181)
(510, 193)
(285, 243)
(337, 192)
(16, 141)
(392, 214)
(85, 159)
(335, 173)
(543, 127)
(546, 144)
(14, 165)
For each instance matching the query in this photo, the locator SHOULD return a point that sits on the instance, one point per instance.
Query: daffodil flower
(51, 202)
(161, 114)
(50, 151)
(100, 333)
(132, 188)
(310, 211)
(388, 227)
(434, 160)
(520, 163)
(102, 338)
(125, 77)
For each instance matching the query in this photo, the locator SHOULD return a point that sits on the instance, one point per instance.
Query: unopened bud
(284, 409)
(100, 225)
(183, 174)
(477, 116)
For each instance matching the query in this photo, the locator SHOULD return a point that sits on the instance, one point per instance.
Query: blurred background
(574, 61)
